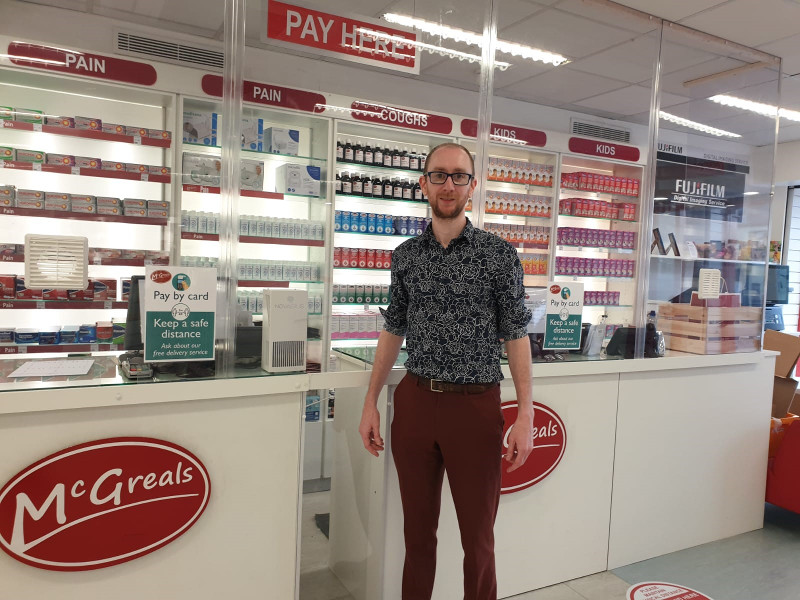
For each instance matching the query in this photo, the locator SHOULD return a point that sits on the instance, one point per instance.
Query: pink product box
(353, 329)
(135, 212)
(140, 131)
(155, 170)
(136, 168)
(160, 134)
(64, 122)
(86, 162)
(108, 210)
(84, 207)
(362, 258)
(88, 123)
(60, 159)
(114, 128)
(110, 165)
(334, 325)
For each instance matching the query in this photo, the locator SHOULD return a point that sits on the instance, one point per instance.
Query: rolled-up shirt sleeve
(396, 315)
(512, 315)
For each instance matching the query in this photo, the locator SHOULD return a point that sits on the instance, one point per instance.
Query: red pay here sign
(358, 40)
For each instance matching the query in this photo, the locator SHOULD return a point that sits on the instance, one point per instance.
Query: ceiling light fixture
(379, 35)
(698, 126)
(476, 39)
(767, 110)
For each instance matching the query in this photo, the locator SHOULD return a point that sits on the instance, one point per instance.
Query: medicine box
(28, 115)
(200, 127)
(201, 170)
(253, 133)
(251, 174)
(282, 141)
(298, 179)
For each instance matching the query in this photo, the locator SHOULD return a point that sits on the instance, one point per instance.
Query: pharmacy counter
(657, 455)
(219, 515)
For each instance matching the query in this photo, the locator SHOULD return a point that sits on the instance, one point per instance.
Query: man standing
(456, 292)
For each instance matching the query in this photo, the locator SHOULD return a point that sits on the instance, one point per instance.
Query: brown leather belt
(436, 385)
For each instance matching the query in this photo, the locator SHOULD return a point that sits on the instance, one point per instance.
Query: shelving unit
(141, 167)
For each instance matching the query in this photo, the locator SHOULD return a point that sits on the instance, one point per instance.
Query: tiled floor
(760, 565)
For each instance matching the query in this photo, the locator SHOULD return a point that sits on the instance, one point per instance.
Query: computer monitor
(778, 285)
(133, 320)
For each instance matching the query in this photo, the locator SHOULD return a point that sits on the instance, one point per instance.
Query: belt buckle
(434, 381)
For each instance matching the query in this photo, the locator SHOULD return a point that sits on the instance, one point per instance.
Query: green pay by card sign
(564, 316)
(179, 308)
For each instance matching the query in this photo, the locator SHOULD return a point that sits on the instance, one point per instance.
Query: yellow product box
(31, 156)
(28, 115)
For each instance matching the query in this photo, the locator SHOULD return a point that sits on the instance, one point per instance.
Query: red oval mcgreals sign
(101, 503)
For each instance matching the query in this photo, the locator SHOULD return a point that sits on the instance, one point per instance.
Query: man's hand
(520, 443)
(370, 429)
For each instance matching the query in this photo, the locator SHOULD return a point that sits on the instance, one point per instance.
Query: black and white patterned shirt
(454, 304)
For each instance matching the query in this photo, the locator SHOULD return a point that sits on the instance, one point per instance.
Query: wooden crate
(701, 330)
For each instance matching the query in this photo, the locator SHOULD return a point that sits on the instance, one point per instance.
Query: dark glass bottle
(377, 156)
(366, 185)
(413, 161)
(348, 151)
(377, 187)
(387, 157)
(405, 159)
(423, 156)
(408, 190)
(339, 151)
(417, 192)
(358, 152)
(396, 158)
(338, 184)
(347, 185)
(398, 189)
(388, 188)
(357, 184)
(369, 155)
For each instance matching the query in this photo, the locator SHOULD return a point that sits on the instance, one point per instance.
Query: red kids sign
(549, 443)
(506, 134)
(663, 591)
(358, 40)
(102, 503)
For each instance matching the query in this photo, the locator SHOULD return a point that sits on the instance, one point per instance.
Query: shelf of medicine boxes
(63, 304)
(139, 140)
(250, 239)
(58, 214)
(85, 172)
(48, 348)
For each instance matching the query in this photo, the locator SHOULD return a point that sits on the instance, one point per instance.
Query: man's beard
(451, 214)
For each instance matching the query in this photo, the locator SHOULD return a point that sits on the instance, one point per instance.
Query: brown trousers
(434, 432)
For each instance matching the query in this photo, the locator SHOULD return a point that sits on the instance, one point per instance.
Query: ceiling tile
(674, 10)
(747, 22)
(789, 133)
(562, 86)
(703, 111)
(789, 50)
(567, 34)
(607, 16)
(511, 12)
(630, 100)
(632, 61)
(745, 123)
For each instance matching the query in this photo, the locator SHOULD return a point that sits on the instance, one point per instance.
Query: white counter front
(661, 454)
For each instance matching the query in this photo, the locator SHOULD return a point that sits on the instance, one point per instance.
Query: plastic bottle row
(362, 258)
(600, 238)
(595, 182)
(361, 293)
(364, 153)
(361, 325)
(255, 225)
(253, 269)
(359, 184)
(585, 207)
(533, 264)
(361, 222)
(253, 301)
(532, 236)
(594, 267)
(520, 171)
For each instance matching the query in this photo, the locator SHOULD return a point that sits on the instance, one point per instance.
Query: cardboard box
(114, 128)
(789, 348)
(64, 122)
(251, 174)
(88, 123)
(8, 287)
(28, 115)
(7, 194)
(6, 153)
(201, 169)
(252, 133)
(297, 179)
(783, 392)
(200, 127)
(110, 165)
(132, 130)
(87, 162)
(31, 156)
(6, 113)
(60, 159)
(282, 141)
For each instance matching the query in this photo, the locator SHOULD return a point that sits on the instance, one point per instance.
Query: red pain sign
(101, 503)
(268, 94)
(663, 591)
(86, 64)
(549, 444)
(360, 40)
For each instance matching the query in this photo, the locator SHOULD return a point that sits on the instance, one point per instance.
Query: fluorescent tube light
(695, 125)
(475, 39)
(767, 110)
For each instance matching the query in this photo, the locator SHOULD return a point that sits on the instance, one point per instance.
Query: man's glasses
(439, 177)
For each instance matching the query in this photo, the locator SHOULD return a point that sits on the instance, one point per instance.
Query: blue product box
(345, 220)
(26, 336)
(50, 335)
(87, 334)
(372, 223)
(253, 134)
(337, 221)
(312, 409)
(363, 222)
(401, 225)
(380, 223)
(69, 334)
(6, 335)
(354, 222)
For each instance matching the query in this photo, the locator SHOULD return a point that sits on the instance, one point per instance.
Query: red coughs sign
(549, 443)
(359, 40)
(101, 503)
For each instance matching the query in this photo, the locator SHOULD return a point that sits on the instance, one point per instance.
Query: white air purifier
(283, 339)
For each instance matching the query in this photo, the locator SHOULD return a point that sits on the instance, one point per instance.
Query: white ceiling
(611, 52)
